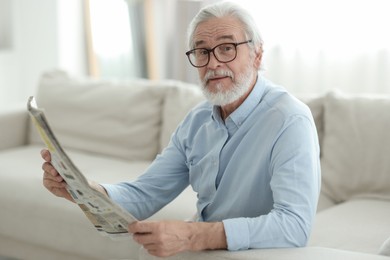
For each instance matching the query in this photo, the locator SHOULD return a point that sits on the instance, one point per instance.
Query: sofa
(112, 130)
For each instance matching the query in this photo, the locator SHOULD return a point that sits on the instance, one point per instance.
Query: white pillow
(121, 119)
(356, 146)
(179, 101)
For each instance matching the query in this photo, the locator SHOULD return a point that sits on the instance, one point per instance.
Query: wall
(46, 34)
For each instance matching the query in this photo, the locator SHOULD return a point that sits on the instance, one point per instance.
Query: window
(312, 46)
(116, 39)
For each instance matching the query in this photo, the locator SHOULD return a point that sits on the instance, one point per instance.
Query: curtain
(141, 38)
(171, 19)
(316, 46)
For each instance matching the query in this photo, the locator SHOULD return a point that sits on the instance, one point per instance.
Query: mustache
(216, 73)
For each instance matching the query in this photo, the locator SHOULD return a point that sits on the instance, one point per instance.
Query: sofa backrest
(131, 119)
(134, 120)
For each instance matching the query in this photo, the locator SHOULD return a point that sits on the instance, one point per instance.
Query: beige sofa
(112, 131)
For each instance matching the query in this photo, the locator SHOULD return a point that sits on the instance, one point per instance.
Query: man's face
(224, 83)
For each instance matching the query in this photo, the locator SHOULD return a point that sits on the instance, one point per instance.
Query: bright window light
(111, 30)
(341, 27)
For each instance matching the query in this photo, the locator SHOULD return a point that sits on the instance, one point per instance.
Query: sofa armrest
(13, 126)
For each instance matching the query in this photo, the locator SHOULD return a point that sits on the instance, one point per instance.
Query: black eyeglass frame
(188, 53)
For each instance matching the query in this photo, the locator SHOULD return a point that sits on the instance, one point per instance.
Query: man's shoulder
(201, 109)
(277, 98)
(199, 114)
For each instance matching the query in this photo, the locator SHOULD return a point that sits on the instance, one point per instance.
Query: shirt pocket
(195, 172)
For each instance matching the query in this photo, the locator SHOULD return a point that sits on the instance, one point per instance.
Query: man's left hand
(167, 238)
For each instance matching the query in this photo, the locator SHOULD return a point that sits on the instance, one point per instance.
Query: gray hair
(226, 9)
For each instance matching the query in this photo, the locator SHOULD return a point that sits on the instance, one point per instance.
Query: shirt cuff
(237, 233)
(112, 191)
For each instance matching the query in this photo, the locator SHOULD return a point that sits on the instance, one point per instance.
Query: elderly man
(250, 152)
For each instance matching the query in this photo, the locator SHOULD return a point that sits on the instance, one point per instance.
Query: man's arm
(166, 238)
(295, 186)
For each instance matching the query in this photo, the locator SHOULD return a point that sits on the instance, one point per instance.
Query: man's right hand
(52, 180)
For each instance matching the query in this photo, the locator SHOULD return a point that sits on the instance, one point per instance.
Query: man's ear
(258, 57)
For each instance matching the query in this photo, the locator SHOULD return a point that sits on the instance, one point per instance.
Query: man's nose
(213, 62)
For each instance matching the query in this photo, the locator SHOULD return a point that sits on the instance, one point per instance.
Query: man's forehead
(219, 38)
(218, 29)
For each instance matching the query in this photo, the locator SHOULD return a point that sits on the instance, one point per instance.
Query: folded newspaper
(108, 217)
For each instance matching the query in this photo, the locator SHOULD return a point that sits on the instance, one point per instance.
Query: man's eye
(226, 48)
(203, 52)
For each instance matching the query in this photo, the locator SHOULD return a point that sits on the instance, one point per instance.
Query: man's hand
(167, 238)
(53, 181)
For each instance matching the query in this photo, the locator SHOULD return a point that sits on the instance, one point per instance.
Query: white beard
(221, 96)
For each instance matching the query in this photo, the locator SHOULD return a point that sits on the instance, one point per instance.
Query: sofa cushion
(178, 102)
(359, 225)
(356, 146)
(49, 221)
(121, 119)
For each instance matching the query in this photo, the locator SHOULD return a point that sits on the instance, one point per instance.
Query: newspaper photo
(108, 217)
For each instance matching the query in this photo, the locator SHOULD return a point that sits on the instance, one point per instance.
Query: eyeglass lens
(224, 53)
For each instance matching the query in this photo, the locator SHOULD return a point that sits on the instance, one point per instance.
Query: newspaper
(108, 217)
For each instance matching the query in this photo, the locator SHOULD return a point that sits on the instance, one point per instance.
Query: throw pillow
(356, 146)
(120, 119)
(179, 101)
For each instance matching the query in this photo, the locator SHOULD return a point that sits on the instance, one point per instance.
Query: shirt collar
(243, 111)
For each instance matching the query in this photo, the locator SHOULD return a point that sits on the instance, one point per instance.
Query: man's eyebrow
(197, 43)
(227, 37)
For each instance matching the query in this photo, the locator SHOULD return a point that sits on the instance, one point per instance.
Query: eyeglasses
(225, 52)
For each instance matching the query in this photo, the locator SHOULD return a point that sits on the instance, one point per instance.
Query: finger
(55, 187)
(153, 249)
(159, 252)
(45, 154)
(48, 168)
(50, 176)
(152, 252)
(145, 239)
(50, 184)
(142, 227)
(47, 177)
(63, 193)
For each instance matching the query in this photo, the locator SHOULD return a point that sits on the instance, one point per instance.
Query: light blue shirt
(258, 172)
